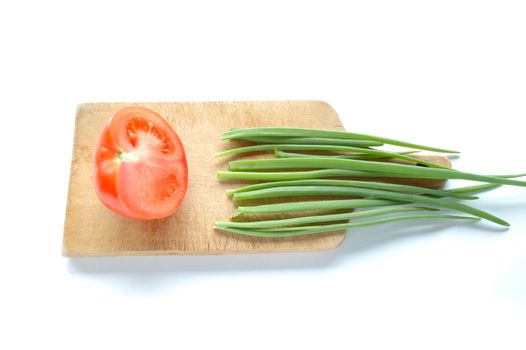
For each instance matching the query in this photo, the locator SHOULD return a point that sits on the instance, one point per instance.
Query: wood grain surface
(93, 230)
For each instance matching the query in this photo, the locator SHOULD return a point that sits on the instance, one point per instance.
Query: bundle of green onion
(344, 157)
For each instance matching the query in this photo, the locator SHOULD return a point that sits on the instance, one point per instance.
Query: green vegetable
(298, 191)
(314, 205)
(316, 174)
(475, 189)
(352, 164)
(319, 218)
(246, 133)
(299, 175)
(314, 141)
(350, 183)
(341, 203)
(350, 155)
(282, 154)
(258, 148)
(307, 230)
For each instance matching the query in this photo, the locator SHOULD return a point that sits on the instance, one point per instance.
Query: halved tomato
(140, 168)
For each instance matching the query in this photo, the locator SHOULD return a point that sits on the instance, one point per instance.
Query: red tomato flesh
(140, 168)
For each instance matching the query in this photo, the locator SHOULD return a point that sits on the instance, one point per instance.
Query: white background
(445, 73)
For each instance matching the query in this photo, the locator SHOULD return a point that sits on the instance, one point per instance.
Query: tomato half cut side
(140, 169)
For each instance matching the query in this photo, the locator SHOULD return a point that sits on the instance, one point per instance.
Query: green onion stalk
(347, 157)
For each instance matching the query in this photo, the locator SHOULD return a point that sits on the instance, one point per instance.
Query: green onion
(351, 164)
(298, 191)
(299, 175)
(315, 141)
(319, 218)
(282, 154)
(364, 184)
(315, 174)
(245, 133)
(315, 205)
(474, 189)
(341, 203)
(258, 148)
(512, 176)
(306, 230)
(349, 155)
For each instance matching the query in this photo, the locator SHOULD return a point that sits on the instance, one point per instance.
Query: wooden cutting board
(92, 230)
